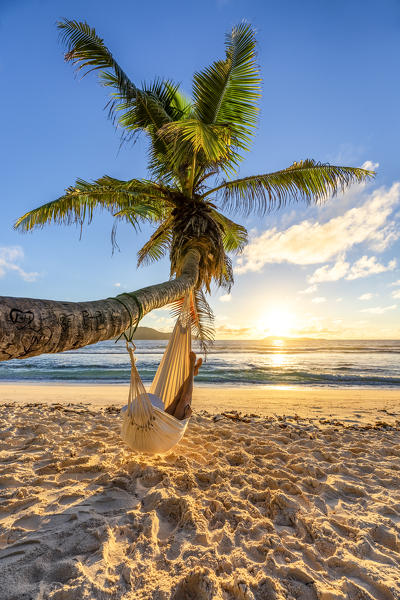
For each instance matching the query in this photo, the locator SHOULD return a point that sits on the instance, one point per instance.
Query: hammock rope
(132, 328)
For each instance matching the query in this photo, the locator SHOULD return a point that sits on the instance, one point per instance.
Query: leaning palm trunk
(29, 326)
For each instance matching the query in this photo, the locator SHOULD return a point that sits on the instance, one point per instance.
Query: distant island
(147, 333)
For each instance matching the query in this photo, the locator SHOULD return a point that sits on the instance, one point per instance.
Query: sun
(277, 323)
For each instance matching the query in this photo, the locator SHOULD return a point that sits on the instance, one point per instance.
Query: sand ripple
(260, 509)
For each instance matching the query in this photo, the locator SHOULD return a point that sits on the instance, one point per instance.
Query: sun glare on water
(277, 322)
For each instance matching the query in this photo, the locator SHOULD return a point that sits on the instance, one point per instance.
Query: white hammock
(147, 428)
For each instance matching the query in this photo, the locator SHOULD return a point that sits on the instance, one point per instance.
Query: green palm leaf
(226, 92)
(191, 137)
(306, 181)
(141, 108)
(86, 50)
(181, 103)
(145, 200)
(158, 245)
(234, 236)
(201, 318)
(149, 109)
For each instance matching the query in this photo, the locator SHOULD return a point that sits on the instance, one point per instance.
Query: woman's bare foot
(187, 411)
(197, 366)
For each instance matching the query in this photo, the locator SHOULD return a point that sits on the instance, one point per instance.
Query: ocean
(318, 363)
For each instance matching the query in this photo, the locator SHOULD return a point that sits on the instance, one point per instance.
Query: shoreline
(202, 384)
(352, 405)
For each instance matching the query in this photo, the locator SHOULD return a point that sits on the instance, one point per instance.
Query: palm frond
(144, 199)
(135, 108)
(87, 51)
(201, 318)
(226, 92)
(158, 245)
(181, 103)
(306, 181)
(149, 109)
(191, 137)
(234, 236)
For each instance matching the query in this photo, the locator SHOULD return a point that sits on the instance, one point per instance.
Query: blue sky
(330, 92)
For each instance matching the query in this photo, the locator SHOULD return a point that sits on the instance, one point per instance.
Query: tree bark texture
(30, 326)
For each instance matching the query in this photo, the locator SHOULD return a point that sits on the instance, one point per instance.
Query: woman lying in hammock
(180, 408)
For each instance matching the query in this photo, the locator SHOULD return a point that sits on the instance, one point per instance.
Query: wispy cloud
(327, 273)
(395, 283)
(225, 298)
(310, 290)
(311, 242)
(363, 267)
(367, 296)
(236, 332)
(396, 294)
(379, 310)
(9, 257)
(366, 266)
(318, 300)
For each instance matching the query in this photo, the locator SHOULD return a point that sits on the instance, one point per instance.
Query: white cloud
(369, 165)
(395, 283)
(117, 285)
(369, 266)
(225, 298)
(311, 242)
(326, 273)
(379, 310)
(367, 296)
(318, 300)
(310, 290)
(396, 294)
(339, 299)
(363, 267)
(9, 256)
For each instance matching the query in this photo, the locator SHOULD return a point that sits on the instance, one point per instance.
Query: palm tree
(195, 146)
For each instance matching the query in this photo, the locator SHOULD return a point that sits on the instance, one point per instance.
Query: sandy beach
(296, 497)
(352, 405)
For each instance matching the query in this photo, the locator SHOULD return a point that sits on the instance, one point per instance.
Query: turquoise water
(329, 363)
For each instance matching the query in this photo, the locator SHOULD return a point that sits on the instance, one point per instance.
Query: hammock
(146, 427)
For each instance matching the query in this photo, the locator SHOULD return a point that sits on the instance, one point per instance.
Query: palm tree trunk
(29, 327)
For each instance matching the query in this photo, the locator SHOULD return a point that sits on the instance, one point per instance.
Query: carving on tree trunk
(30, 326)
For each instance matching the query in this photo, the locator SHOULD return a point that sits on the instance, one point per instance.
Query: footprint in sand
(69, 499)
(196, 586)
(383, 536)
(29, 522)
(236, 459)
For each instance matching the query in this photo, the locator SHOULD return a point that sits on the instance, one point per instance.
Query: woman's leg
(180, 408)
(172, 407)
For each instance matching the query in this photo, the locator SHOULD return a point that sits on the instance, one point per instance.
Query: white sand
(268, 509)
